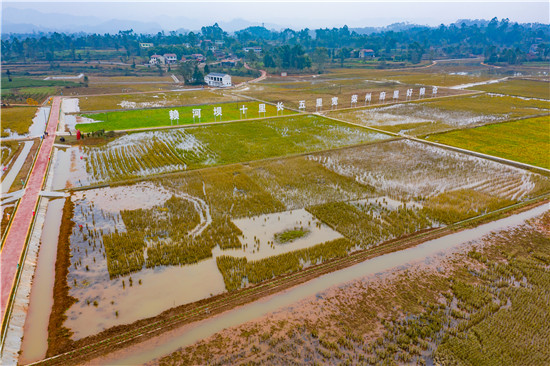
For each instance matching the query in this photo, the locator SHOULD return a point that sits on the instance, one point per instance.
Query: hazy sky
(301, 14)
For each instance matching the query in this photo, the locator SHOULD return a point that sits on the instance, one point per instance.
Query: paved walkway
(19, 229)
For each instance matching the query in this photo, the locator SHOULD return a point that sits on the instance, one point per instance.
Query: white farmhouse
(156, 60)
(218, 79)
(170, 58)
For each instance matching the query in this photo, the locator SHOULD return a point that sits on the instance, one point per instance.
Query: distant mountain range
(32, 21)
(27, 21)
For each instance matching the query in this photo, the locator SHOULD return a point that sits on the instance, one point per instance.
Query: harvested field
(17, 120)
(406, 170)
(309, 90)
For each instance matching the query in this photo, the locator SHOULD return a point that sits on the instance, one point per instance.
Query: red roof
(170, 55)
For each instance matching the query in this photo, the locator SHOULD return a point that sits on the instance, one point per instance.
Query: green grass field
(25, 82)
(126, 120)
(523, 88)
(526, 141)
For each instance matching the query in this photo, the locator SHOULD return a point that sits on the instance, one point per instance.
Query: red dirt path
(19, 229)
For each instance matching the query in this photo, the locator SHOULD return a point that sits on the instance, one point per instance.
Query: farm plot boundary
(123, 336)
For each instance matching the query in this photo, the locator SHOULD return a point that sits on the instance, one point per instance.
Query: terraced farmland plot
(522, 88)
(422, 118)
(126, 120)
(526, 140)
(145, 153)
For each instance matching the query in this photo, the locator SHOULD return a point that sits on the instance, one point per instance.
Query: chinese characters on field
(279, 106)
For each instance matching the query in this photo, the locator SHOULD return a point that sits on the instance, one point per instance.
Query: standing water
(35, 340)
(187, 335)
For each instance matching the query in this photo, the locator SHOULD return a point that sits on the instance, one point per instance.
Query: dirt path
(14, 244)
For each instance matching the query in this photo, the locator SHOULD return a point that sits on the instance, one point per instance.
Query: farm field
(524, 140)
(21, 88)
(160, 99)
(442, 311)
(17, 120)
(423, 118)
(125, 120)
(144, 153)
(444, 74)
(223, 226)
(166, 221)
(310, 89)
(519, 87)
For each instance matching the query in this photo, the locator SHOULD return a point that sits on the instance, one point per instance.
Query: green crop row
(238, 271)
(371, 224)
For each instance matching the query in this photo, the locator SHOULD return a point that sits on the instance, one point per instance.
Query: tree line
(497, 41)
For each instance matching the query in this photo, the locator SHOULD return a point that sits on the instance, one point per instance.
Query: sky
(298, 15)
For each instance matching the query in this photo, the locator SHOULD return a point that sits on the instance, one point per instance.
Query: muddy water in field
(428, 251)
(160, 289)
(69, 169)
(35, 340)
(105, 302)
(259, 234)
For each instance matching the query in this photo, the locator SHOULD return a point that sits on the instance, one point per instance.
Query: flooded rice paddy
(128, 263)
(364, 181)
(260, 234)
(429, 252)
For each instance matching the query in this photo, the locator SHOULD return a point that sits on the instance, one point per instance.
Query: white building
(366, 53)
(170, 58)
(146, 45)
(218, 80)
(255, 49)
(156, 60)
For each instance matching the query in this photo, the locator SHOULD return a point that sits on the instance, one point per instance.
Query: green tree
(198, 76)
(320, 57)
